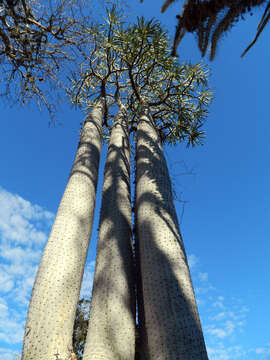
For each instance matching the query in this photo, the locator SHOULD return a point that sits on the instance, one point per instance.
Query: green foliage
(79, 330)
(131, 64)
(80, 327)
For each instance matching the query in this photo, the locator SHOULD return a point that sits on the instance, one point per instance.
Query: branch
(134, 86)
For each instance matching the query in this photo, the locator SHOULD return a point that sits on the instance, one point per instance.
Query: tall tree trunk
(171, 317)
(111, 331)
(51, 314)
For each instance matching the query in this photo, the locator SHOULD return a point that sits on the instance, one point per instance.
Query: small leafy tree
(80, 327)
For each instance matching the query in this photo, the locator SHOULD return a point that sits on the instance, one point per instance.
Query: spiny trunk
(172, 322)
(141, 351)
(111, 332)
(51, 313)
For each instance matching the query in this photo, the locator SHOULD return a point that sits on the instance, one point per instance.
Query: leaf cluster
(81, 327)
(131, 64)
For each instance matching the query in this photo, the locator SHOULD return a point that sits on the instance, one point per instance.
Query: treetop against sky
(132, 64)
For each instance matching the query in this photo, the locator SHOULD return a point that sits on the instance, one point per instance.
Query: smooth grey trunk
(51, 313)
(111, 331)
(172, 322)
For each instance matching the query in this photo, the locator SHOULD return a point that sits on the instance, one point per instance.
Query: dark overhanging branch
(264, 20)
(202, 17)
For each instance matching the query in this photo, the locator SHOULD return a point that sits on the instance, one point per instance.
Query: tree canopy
(131, 64)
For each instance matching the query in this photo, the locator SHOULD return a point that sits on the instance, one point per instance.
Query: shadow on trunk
(169, 322)
(112, 314)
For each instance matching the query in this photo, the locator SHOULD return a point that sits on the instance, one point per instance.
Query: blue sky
(222, 185)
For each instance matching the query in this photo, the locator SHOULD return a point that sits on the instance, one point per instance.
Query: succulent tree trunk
(172, 322)
(51, 314)
(111, 331)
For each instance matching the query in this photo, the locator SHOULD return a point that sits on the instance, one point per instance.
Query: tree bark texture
(111, 331)
(172, 324)
(52, 309)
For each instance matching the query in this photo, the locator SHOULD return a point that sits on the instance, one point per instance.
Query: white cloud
(20, 221)
(11, 331)
(3, 308)
(6, 281)
(24, 287)
(220, 316)
(192, 261)
(225, 321)
(220, 352)
(203, 276)
(18, 254)
(226, 330)
(240, 315)
(11, 326)
(24, 230)
(16, 205)
(262, 351)
(6, 354)
(219, 302)
(223, 318)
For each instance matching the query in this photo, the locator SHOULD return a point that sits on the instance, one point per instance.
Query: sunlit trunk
(51, 314)
(111, 332)
(172, 322)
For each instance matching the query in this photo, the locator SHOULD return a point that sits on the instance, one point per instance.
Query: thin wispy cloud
(203, 276)
(192, 261)
(6, 354)
(223, 319)
(263, 351)
(220, 352)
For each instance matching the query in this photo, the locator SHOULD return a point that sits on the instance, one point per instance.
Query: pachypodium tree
(111, 331)
(171, 103)
(51, 313)
(165, 102)
(172, 324)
